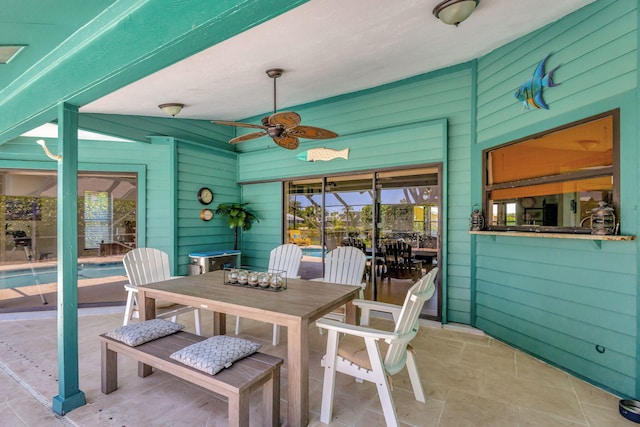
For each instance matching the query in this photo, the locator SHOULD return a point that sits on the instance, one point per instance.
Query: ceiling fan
(284, 127)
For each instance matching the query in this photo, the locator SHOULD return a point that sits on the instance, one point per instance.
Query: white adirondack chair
(149, 265)
(371, 354)
(344, 265)
(283, 259)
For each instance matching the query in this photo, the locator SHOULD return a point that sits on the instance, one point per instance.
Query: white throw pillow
(140, 333)
(215, 353)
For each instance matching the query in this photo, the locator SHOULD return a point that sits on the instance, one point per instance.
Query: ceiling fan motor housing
(275, 131)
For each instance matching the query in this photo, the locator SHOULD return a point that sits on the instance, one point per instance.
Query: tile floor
(470, 380)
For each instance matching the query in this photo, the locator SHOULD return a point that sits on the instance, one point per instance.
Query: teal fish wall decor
(323, 154)
(530, 93)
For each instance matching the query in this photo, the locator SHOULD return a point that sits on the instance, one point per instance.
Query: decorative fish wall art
(530, 93)
(323, 154)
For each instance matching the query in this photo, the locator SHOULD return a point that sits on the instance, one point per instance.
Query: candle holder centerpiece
(272, 280)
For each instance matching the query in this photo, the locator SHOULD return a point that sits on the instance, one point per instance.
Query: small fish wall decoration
(323, 154)
(530, 93)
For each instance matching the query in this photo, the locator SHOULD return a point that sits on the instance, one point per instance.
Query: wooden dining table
(302, 303)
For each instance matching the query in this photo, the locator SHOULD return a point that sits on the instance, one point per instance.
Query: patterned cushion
(215, 353)
(140, 333)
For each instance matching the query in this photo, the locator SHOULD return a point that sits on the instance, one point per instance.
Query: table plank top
(303, 299)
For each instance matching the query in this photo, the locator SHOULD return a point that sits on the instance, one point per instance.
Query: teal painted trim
(37, 165)
(476, 171)
(637, 132)
(208, 147)
(445, 220)
(173, 202)
(61, 406)
(172, 198)
(91, 63)
(347, 96)
(69, 395)
(141, 215)
(421, 77)
(393, 128)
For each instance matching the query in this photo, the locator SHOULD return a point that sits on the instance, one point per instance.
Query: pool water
(42, 275)
(312, 252)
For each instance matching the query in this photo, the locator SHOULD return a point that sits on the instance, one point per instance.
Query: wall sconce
(49, 154)
(171, 109)
(453, 12)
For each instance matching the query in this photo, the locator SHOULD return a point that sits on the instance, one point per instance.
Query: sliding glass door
(370, 210)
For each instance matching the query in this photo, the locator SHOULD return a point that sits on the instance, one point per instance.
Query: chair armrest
(366, 306)
(359, 331)
(130, 287)
(378, 306)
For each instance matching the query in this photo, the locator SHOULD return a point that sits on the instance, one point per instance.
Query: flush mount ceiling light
(171, 109)
(453, 12)
(8, 52)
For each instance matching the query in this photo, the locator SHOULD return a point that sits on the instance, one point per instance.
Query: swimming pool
(42, 275)
(312, 252)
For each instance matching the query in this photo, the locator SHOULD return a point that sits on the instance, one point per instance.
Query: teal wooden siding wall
(395, 125)
(558, 298)
(200, 166)
(265, 200)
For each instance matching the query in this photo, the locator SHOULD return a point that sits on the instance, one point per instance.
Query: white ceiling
(328, 48)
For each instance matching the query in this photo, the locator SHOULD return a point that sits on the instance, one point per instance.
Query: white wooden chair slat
(284, 259)
(345, 266)
(149, 265)
(393, 361)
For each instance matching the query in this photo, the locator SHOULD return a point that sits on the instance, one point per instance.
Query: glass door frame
(323, 181)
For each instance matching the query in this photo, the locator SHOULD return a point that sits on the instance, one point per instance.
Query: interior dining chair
(372, 354)
(399, 263)
(345, 266)
(149, 265)
(283, 259)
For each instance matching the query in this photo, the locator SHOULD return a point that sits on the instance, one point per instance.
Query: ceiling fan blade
(247, 137)
(311, 132)
(286, 119)
(287, 141)
(238, 124)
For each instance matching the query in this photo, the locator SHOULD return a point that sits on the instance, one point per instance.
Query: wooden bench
(235, 383)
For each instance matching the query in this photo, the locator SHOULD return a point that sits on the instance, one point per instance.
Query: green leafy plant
(237, 217)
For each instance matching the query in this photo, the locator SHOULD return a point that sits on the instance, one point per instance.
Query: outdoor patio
(470, 380)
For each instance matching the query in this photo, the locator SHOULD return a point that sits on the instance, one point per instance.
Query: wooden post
(69, 395)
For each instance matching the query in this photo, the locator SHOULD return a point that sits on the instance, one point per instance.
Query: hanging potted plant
(237, 217)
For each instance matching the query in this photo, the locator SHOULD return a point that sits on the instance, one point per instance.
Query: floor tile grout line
(39, 397)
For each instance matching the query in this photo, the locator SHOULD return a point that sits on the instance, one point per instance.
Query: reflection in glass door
(107, 224)
(408, 206)
(349, 210)
(372, 211)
